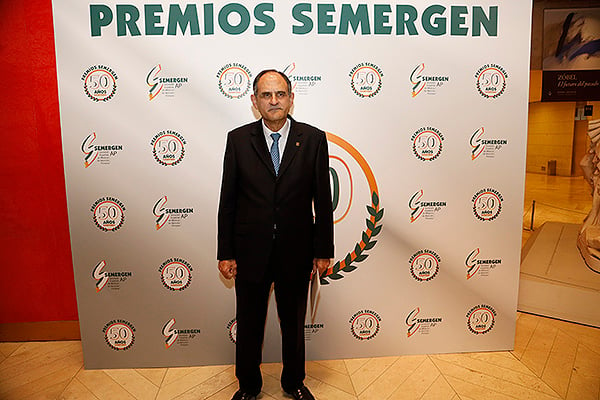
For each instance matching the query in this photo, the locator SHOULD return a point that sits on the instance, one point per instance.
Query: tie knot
(275, 136)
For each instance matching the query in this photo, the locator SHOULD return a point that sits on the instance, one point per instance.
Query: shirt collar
(284, 131)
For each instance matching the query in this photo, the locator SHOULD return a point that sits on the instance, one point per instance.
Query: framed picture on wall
(571, 54)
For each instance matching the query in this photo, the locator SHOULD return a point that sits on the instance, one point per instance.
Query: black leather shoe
(239, 395)
(302, 393)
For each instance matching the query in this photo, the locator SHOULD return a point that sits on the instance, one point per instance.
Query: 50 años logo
(99, 83)
(339, 167)
(119, 334)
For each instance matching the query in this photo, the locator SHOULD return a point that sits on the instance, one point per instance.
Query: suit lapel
(293, 144)
(257, 138)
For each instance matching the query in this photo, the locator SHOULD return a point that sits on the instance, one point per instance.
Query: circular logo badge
(487, 204)
(119, 335)
(481, 319)
(176, 274)
(232, 330)
(109, 214)
(491, 81)
(424, 265)
(366, 79)
(365, 325)
(343, 195)
(100, 83)
(168, 148)
(234, 80)
(427, 144)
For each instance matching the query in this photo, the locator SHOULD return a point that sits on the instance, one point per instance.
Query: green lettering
(127, 16)
(406, 17)
(267, 20)
(438, 26)
(381, 19)
(244, 18)
(209, 25)
(489, 23)
(297, 13)
(324, 17)
(457, 19)
(152, 19)
(189, 17)
(100, 15)
(349, 17)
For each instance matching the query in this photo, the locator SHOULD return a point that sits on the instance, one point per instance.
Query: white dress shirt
(284, 132)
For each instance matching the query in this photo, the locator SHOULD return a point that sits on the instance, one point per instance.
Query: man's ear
(253, 98)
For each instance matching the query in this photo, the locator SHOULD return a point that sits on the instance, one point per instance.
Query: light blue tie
(275, 151)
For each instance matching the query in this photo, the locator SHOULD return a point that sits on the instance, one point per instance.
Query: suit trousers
(252, 301)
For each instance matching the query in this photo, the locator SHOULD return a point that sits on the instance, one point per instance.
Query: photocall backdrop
(425, 110)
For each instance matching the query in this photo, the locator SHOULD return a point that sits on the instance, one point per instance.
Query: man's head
(273, 97)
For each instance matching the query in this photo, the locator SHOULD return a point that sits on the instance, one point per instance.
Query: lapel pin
(297, 144)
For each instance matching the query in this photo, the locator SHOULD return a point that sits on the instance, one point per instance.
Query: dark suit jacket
(256, 206)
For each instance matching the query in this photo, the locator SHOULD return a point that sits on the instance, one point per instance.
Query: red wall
(36, 282)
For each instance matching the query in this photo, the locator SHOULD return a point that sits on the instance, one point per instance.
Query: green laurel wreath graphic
(367, 243)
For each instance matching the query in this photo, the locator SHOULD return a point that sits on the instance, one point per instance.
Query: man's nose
(273, 98)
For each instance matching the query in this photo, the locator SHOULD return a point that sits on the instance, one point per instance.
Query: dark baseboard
(39, 331)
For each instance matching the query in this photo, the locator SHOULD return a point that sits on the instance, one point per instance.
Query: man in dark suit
(275, 225)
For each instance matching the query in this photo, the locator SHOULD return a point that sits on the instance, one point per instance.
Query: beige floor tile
(323, 391)
(174, 374)
(37, 375)
(587, 335)
(397, 373)
(130, 380)
(226, 393)
(469, 391)
(154, 375)
(75, 390)
(28, 361)
(7, 348)
(494, 384)
(538, 350)
(497, 374)
(504, 359)
(102, 386)
(583, 387)
(273, 369)
(271, 385)
(336, 365)
(330, 376)
(185, 383)
(415, 386)
(587, 362)
(66, 371)
(557, 372)
(49, 393)
(353, 364)
(211, 386)
(439, 390)
(526, 325)
(370, 371)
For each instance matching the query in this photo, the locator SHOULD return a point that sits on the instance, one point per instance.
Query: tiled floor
(551, 359)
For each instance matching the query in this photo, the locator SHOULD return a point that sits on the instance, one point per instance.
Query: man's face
(272, 99)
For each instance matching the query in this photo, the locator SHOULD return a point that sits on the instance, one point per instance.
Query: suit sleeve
(227, 204)
(323, 238)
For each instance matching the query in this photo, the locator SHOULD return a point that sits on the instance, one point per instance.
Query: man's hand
(228, 268)
(321, 265)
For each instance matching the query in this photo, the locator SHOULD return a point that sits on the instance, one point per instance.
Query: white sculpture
(588, 241)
